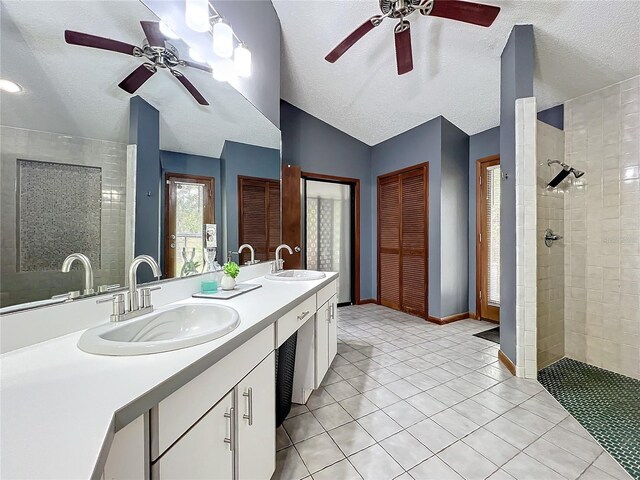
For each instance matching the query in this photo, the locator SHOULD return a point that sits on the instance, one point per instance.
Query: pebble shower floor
(607, 404)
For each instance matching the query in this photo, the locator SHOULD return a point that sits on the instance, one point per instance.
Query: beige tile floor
(409, 399)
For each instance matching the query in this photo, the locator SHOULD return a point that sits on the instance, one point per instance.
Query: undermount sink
(296, 275)
(168, 329)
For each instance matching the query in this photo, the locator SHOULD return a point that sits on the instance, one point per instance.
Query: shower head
(577, 173)
(566, 170)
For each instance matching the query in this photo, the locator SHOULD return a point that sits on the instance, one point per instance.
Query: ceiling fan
(475, 13)
(156, 50)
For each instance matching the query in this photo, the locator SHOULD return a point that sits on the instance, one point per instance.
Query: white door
(205, 451)
(256, 396)
(322, 342)
(333, 328)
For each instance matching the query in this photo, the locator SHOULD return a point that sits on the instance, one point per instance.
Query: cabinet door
(322, 342)
(256, 442)
(333, 328)
(127, 457)
(205, 451)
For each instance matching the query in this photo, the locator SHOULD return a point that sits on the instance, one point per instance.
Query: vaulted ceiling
(580, 46)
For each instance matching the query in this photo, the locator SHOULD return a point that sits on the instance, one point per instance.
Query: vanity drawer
(290, 322)
(179, 411)
(326, 293)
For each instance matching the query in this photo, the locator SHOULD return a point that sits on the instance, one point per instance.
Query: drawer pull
(231, 439)
(333, 311)
(303, 315)
(249, 395)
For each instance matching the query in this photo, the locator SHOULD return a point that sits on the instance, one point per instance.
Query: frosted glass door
(329, 232)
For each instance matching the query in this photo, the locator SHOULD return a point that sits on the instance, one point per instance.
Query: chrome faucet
(278, 263)
(139, 301)
(88, 270)
(253, 260)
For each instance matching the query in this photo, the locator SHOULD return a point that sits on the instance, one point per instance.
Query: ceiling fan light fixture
(196, 14)
(242, 61)
(222, 38)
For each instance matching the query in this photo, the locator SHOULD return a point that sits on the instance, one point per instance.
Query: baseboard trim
(364, 301)
(449, 319)
(507, 362)
(473, 316)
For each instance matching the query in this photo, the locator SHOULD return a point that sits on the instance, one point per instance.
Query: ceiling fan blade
(475, 13)
(189, 86)
(404, 56)
(153, 33)
(200, 66)
(353, 37)
(136, 78)
(88, 40)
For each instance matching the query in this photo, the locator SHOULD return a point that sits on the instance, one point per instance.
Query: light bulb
(222, 70)
(222, 39)
(167, 32)
(196, 14)
(195, 56)
(242, 61)
(9, 86)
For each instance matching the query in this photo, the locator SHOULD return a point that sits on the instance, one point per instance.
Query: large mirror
(104, 156)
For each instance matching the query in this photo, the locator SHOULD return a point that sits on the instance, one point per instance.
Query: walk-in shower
(566, 170)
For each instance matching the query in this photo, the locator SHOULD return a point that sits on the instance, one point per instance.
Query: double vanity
(168, 394)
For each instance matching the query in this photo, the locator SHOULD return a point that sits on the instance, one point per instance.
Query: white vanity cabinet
(205, 451)
(256, 422)
(326, 331)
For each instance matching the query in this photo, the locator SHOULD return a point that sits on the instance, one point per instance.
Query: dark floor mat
(605, 403)
(492, 334)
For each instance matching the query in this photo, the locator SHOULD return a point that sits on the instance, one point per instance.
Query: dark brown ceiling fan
(156, 50)
(475, 13)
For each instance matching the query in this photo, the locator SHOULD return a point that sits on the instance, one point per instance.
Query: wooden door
(257, 422)
(488, 238)
(202, 452)
(403, 240)
(291, 215)
(189, 205)
(258, 216)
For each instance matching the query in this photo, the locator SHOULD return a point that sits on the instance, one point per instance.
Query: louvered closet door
(413, 242)
(259, 216)
(389, 241)
(402, 240)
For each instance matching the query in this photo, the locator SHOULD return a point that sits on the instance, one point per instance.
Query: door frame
(169, 259)
(355, 184)
(424, 165)
(489, 161)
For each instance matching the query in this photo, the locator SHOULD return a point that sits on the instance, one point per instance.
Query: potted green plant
(231, 271)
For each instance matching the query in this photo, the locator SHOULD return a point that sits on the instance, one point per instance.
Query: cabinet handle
(304, 314)
(328, 315)
(231, 439)
(249, 395)
(333, 311)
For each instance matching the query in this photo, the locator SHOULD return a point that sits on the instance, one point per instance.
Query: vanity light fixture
(167, 32)
(222, 70)
(9, 86)
(242, 61)
(195, 56)
(223, 39)
(196, 14)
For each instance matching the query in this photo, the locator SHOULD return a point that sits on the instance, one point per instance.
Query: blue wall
(144, 132)
(553, 116)
(516, 81)
(418, 145)
(186, 163)
(454, 243)
(317, 147)
(247, 160)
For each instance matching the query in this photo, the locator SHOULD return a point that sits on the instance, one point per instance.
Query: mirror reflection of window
(190, 206)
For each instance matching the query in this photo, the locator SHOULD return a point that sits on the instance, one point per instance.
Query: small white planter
(227, 283)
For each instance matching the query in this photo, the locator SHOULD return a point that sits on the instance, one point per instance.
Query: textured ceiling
(580, 46)
(73, 90)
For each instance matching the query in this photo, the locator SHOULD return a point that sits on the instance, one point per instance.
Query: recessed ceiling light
(9, 86)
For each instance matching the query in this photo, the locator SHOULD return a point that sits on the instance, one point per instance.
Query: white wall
(602, 225)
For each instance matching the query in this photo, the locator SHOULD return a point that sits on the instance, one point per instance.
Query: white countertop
(59, 406)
